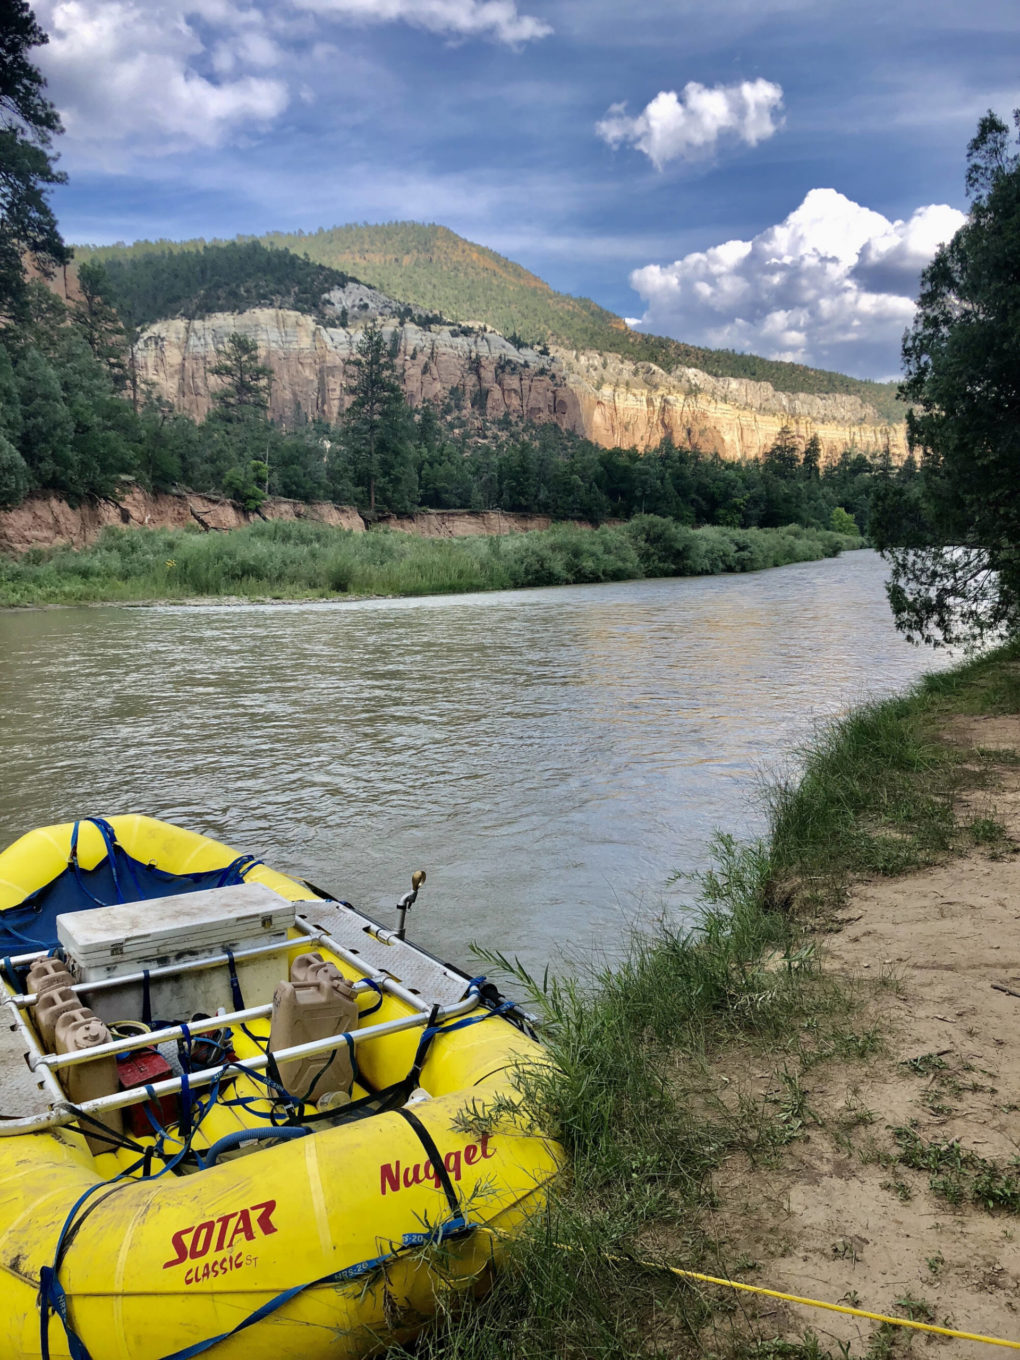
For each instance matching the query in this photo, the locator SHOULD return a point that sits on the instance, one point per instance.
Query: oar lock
(408, 900)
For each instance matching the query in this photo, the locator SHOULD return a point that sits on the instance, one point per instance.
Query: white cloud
(129, 72)
(497, 19)
(890, 263)
(692, 124)
(832, 285)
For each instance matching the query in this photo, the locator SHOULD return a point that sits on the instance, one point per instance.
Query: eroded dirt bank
(47, 522)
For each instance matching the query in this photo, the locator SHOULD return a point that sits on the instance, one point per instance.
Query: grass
(638, 1095)
(959, 1175)
(876, 791)
(297, 560)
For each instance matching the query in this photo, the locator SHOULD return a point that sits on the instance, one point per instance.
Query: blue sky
(769, 175)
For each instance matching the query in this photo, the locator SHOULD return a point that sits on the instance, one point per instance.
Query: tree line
(74, 422)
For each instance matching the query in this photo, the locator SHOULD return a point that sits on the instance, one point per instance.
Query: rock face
(312, 373)
(637, 405)
(466, 523)
(608, 399)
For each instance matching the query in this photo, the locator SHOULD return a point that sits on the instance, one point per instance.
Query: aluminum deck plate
(22, 1091)
(433, 981)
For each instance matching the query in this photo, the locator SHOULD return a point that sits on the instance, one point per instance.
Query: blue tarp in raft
(32, 924)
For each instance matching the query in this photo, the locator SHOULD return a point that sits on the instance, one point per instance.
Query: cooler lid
(193, 923)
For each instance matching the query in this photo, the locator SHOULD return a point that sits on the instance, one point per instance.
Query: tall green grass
(295, 560)
(876, 789)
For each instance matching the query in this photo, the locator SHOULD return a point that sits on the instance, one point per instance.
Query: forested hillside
(434, 270)
(161, 283)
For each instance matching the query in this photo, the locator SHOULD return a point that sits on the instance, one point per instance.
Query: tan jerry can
(317, 1003)
(77, 1030)
(48, 1010)
(47, 973)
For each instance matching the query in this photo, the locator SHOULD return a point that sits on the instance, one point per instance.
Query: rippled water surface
(549, 755)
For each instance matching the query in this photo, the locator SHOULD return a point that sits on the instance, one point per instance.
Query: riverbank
(815, 1092)
(289, 560)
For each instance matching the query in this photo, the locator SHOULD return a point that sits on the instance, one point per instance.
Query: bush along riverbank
(296, 560)
(786, 1096)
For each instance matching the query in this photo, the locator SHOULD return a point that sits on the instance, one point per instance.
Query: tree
(28, 122)
(100, 324)
(378, 430)
(812, 459)
(842, 523)
(956, 565)
(245, 393)
(14, 475)
(47, 427)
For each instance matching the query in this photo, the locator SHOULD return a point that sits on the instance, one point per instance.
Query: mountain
(433, 270)
(307, 319)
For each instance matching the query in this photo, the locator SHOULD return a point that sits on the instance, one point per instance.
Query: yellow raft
(197, 1204)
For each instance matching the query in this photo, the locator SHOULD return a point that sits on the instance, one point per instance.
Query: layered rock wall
(313, 375)
(608, 399)
(638, 405)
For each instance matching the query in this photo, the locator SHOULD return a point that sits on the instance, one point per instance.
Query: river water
(550, 756)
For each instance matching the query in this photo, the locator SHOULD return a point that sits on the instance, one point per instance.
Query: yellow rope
(808, 1303)
(832, 1307)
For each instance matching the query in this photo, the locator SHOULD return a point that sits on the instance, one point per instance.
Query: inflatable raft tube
(245, 1222)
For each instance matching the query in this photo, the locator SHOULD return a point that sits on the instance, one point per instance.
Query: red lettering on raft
(397, 1175)
(195, 1241)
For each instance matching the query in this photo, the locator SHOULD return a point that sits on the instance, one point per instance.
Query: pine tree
(47, 426)
(378, 429)
(14, 475)
(245, 393)
(100, 324)
(956, 565)
(28, 122)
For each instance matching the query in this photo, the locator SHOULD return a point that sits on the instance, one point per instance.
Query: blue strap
(454, 1227)
(235, 987)
(236, 870)
(239, 1137)
(53, 1299)
(104, 830)
(184, 1120)
(110, 841)
(371, 1010)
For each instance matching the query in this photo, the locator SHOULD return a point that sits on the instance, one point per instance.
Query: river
(550, 756)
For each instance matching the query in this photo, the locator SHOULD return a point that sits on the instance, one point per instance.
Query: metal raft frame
(27, 1073)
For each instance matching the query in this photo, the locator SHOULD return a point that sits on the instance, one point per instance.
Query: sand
(838, 1217)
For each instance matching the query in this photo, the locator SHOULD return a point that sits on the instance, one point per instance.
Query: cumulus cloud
(164, 76)
(832, 285)
(890, 263)
(693, 123)
(498, 19)
(129, 71)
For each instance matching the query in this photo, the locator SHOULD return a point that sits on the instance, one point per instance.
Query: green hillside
(435, 270)
(159, 283)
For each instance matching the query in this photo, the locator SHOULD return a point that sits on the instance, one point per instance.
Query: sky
(764, 175)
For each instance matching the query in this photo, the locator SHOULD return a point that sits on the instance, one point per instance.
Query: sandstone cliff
(637, 405)
(311, 374)
(608, 399)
